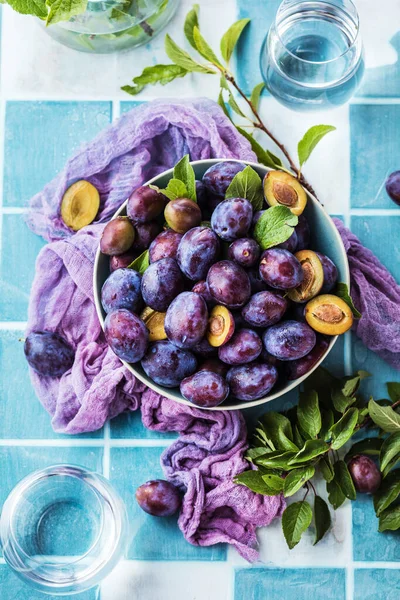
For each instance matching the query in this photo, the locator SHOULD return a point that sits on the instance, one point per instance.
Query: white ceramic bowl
(324, 238)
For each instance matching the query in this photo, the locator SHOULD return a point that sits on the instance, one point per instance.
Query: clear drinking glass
(312, 57)
(63, 529)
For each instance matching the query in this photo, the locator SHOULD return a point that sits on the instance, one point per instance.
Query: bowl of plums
(222, 284)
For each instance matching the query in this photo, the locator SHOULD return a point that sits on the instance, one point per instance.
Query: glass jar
(109, 26)
(63, 529)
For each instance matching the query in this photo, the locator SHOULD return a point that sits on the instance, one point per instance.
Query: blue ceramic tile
(152, 538)
(130, 426)
(373, 155)
(262, 15)
(13, 588)
(19, 249)
(381, 235)
(18, 397)
(368, 543)
(376, 584)
(290, 584)
(383, 81)
(334, 362)
(40, 137)
(127, 106)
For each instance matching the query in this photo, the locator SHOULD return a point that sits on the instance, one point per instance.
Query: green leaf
(340, 401)
(203, 48)
(327, 421)
(278, 431)
(274, 484)
(222, 104)
(182, 58)
(297, 437)
(231, 37)
(63, 10)
(191, 21)
(388, 492)
(262, 155)
(311, 138)
(255, 482)
(326, 468)
(37, 8)
(275, 159)
(351, 384)
(390, 451)
(322, 518)
(343, 292)
(296, 479)
(308, 413)
(344, 480)
(162, 74)
(255, 452)
(311, 449)
(368, 446)
(183, 171)
(247, 184)
(384, 416)
(256, 94)
(344, 428)
(140, 263)
(335, 493)
(296, 519)
(389, 519)
(275, 226)
(276, 460)
(235, 106)
(175, 189)
(394, 390)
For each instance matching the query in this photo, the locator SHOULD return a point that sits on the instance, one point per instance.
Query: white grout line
(376, 565)
(374, 100)
(2, 143)
(14, 210)
(106, 452)
(116, 110)
(12, 325)
(375, 212)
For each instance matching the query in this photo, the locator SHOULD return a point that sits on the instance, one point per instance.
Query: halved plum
(282, 189)
(329, 314)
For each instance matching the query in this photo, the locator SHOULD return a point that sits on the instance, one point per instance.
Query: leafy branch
(289, 449)
(184, 63)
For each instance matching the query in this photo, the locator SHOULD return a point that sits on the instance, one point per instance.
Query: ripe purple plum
(204, 349)
(186, 320)
(393, 186)
(161, 283)
(202, 198)
(117, 237)
(291, 243)
(145, 204)
(182, 214)
(122, 290)
(229, 284)
(165, 245)
(365, 474)
(251, 382)
(264, 309)
(297, 368)
(257, 283)
(243, 347)
(215, 365)
(167, 365)
(122, 260)
(232, 219)
(197, 251)
(289, 340)
(302, 230)
(330, 273)
(201, 287)
(244, 251)
(145, 234)
(205, 389)
(280, 269)
(48, 353)
(218, 177)
(126, 334)
(158, 498)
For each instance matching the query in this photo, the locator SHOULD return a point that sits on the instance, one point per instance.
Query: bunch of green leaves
(50, 11)
(207, 61)
(290, 448)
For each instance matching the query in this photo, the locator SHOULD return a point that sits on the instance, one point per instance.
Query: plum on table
(158, 498)
(48, 353)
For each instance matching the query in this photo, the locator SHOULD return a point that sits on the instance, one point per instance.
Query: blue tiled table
(52, 100)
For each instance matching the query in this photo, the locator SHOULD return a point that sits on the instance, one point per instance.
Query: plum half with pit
(229, 284)
(205, 389)
(244, 347)
(158, 498)
(244, 251)
(122, 290)
(165, 245)
(48, 353)
(218, 177)
(289, 340)
(221, 326)
(126, 334)
(197, 251)
(252, 381)
(167, 365)
(328, 314)
(365, 474)
(313, 277)
(280, 269)
(162, 281)
(117, 237)
(145, 204)
(232, 219)
(186, 320)
(282, 189)
(264, 309)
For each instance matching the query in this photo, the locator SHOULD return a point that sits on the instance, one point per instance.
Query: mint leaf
(274, 484)
(256, 93)
(162, 74)
(255, 452)
(37, 8)
(344, 428)
(275, 226)
(311, 449)
(191, 21)
(175, 189)
(326, 468)
(231, 37)
(335, 493)
(389, 519)
(390, 450)
(308, 413)
(254, 481)
(368, 446)
(276, 460)
(182, 58)
(247, 184)
(310, 139)
(384, 416)
(235, 106)
(394, 390)
(183, 171)
(296, 519)
(63, 10)
(203, 48)
(278, 431)
(140, 263)
(388, 492)
(343, 292)
(296, 479)
(263, 156)
(344, 480)
(322, 518)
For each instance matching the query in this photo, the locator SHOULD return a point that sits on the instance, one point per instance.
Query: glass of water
(312, 57)
(63, 529)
